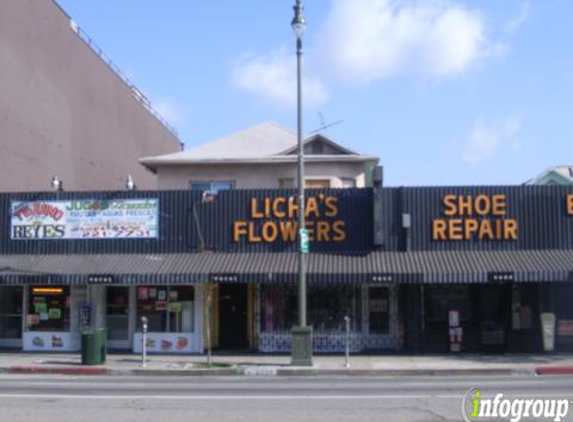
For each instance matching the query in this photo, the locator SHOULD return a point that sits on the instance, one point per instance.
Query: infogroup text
(475, 407)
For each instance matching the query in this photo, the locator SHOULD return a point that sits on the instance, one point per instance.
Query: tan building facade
(67, 111)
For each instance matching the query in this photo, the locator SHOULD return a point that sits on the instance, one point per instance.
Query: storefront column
(411, 321)
(257, 315)
(198, 317)
(78, 297)
(97, 300)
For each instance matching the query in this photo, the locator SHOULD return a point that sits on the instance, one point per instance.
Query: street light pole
(301, 349)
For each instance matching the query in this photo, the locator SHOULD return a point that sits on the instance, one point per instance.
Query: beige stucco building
(66, 109)
(263, 156)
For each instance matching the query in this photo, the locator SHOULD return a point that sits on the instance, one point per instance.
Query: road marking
(257, 397)
(227, 397)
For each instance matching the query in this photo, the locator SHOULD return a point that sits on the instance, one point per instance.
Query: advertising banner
(164, 343)
(84, 219)
(47, 341)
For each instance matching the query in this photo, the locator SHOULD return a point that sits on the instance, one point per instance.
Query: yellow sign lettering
(475, 217)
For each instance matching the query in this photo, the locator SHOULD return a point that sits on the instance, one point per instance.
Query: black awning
(206, 267)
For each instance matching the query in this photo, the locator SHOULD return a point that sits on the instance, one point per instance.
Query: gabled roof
(320, 138)
(558, 175)
(263, 143)
(257, 141)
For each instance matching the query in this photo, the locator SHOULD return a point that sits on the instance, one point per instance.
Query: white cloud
(366, 40)
(273, 78)
(514, 23)
(170, 110)
(485, 139)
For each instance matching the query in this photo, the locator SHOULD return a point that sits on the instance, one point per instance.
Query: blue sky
(445, 92)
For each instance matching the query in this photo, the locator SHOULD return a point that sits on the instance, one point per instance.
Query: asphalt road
(282, 399)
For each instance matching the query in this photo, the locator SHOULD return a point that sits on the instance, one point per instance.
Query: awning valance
(213, 267)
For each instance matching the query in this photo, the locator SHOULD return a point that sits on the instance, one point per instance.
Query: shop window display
(49, 308)
(440, 300)
(327, 307)
(167, 308)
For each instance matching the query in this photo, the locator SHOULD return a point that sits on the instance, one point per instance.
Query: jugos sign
(84, 219)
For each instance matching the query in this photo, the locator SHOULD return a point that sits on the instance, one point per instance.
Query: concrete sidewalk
(279, 365)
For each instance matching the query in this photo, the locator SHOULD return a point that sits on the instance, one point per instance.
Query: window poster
(40, 308)
(143, 293)
(152, 293)
(54, 313)
(174, 307)
(160, 306)
(33, 319)
(162, 295)
(173, 295)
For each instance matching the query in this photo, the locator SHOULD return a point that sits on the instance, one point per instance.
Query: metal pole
(301, 201)
(347, 352)
(144, 340)
(198, 226)
(144, 363)
(302, 334)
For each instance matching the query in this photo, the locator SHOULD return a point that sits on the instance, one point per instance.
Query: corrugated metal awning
(396, 267)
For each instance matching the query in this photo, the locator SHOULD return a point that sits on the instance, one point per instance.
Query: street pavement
(271, 365)
(47, 398)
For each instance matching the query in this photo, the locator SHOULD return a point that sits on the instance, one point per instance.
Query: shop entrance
(117, 315)
(11, 316)
(493, 317)
(233, 306)
(475, 316)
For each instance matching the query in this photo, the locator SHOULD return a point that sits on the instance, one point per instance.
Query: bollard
(144, 340)
(347, 354)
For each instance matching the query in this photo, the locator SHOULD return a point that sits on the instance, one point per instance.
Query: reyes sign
(84, 219)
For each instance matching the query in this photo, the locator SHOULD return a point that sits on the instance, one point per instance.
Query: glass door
(11, 316)
(117, 314)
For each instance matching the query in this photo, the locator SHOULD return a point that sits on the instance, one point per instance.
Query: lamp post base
(301, 346)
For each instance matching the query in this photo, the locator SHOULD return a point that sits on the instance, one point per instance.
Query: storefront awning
(375, 267)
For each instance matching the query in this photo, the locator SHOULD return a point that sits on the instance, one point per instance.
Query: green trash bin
(94, 345)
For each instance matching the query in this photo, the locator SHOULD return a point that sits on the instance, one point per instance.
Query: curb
(32, 370)
(262, 372)
(554, 370)
(72, 370)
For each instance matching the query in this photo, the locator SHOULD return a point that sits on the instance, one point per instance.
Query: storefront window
(11, 312)
(327, 307)
(49, 308)
(167, 308)
(440, 300)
